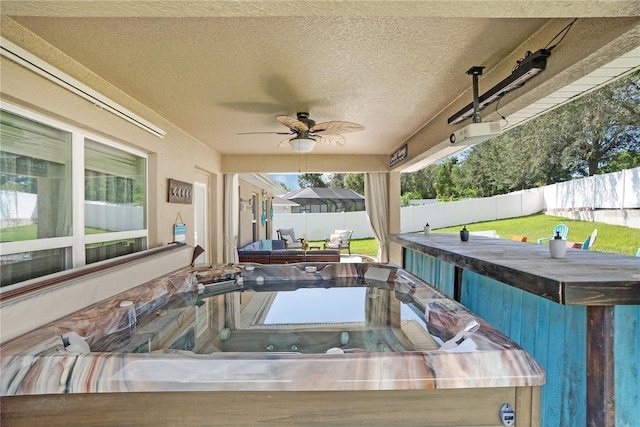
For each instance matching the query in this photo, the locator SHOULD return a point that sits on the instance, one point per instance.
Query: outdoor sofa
(267, 251)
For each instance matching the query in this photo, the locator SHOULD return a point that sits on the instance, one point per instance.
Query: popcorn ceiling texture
(217, 68)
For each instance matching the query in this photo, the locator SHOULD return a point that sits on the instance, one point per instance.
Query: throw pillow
(265, 245)
(334, 238)
(344, 234)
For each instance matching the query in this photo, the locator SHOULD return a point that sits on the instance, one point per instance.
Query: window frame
(77, 242)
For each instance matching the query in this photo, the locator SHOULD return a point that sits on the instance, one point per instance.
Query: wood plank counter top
(581, 278)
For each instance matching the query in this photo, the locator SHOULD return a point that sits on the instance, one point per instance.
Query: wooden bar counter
(596, 304)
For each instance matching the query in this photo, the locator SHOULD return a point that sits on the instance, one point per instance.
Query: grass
(30, 232)
(611, 238)
(358, 246)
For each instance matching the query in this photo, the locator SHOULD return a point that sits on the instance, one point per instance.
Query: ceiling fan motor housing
(303, 116)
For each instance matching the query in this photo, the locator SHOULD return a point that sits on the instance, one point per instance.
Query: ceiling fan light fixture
(302, 145)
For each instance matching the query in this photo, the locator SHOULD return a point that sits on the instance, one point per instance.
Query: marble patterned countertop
(41, 362)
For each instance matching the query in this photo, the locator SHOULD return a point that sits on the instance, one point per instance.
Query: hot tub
(293, 344)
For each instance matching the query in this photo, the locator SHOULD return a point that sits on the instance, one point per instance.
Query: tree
(337, 180)
(602, 124)
(623, 160)
(355, 182)
(444, 185)
(420, 183)
(284, 186)
(307, 180)
(411, 195)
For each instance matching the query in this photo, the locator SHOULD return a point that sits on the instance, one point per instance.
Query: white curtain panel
(231, 214)
(376, 193)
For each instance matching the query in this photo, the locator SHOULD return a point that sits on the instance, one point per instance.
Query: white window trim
(10, 248)
(78, 240)
(115, 235)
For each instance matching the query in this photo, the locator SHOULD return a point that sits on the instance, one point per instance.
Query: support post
(457, 283)
(600, 367)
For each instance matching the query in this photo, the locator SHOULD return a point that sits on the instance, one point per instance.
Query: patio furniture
(594, 235)
(329, 255)
(560, 228)
(289, 237)
(273, 252)
(340, 239)
(588, 242)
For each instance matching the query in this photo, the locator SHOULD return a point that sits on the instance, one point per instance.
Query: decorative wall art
(179, 230)
(180, 192)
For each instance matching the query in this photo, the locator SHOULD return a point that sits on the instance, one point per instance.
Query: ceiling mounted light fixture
(531, 65)
(302, 145)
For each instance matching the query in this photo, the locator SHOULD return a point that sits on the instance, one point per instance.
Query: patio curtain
(230, 250)
(376, 193)
(231, 213)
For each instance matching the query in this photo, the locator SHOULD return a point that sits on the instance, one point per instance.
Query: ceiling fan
(306, 132)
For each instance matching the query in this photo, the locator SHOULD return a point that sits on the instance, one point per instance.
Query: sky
(322, 305)
(290, 179)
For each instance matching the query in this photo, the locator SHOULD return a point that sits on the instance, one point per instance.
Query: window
(35, 180)
(42, 163)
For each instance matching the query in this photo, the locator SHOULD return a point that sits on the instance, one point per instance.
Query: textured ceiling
(216, 68)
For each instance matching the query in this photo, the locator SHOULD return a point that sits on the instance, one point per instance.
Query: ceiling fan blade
(292, 123)
(284, 143)
(262, 133)
(336, 140)
(336, 127)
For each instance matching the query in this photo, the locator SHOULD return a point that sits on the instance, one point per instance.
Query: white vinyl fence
(618, 191)
(17, 208)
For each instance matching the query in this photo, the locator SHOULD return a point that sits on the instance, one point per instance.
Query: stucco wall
(176, 156)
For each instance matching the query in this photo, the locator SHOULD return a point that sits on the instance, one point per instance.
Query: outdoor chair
(586, 244)
(289, 237)
(563, 229)
(340, 239)
(594, 235)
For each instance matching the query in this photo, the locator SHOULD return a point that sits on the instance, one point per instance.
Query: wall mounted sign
(399, 155)
(180, 233)
(179, 230)
(180, 192)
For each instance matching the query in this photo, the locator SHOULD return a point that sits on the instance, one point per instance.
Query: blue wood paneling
(555, 335)
(438, 274)
(627, 363)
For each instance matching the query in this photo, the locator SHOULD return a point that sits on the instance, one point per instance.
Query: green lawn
(30, 232)
(611, 238)
(358, 246)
